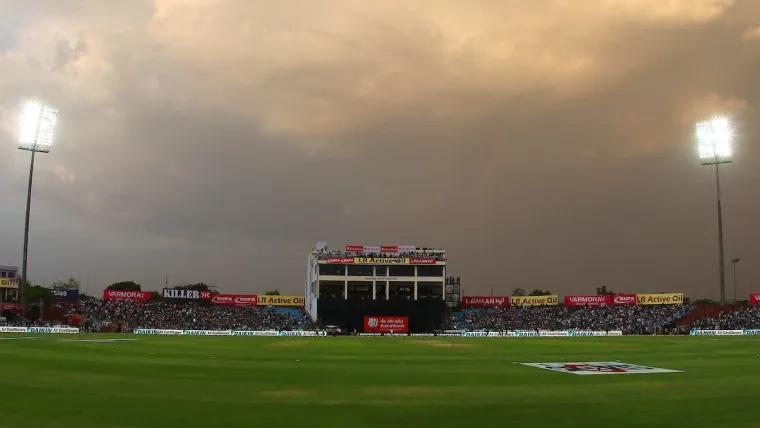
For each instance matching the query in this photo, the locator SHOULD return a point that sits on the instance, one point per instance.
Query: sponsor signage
(588, 300)
(280, 300)
(534, 300)
(54, 330)
(554, 333)
(66, 294)
(6, 329)
(298, 333)
(9, 306)
(380, 278)
(207, 333)
(170, 293)
(752, 332)
(485, 301)
(754, 299)
(8, 282)
(340, 260)
(385, 249)
(65, 330)
(256, 333)
(421, 261)
(386, 324)
(380, 261)
(545, 333)
(624, 299)
(660, 299)
(595, 333)
(270, 333)
(158, 331)
(717, 332)
(603, 368)
(126, 295)
(235, 299)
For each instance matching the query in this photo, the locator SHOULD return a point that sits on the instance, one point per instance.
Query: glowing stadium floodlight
(37, 131)
(714, 141)
(36, 134)
(714, 146)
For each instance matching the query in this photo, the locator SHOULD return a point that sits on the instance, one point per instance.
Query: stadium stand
(629, 319)
(737, 319)
(132, 314)
(126, 315)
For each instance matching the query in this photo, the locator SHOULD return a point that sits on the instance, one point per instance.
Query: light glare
(37, 131)
(714, 141)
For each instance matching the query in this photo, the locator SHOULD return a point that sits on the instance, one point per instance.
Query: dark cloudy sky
(543, 143)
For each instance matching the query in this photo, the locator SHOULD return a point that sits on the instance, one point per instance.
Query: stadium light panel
(37, 132)
(714, 141)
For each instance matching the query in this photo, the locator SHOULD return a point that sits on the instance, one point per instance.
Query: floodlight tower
(714, 145)
(36, 135)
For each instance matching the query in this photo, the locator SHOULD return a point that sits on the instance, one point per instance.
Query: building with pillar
(384, 280)
(9, 285)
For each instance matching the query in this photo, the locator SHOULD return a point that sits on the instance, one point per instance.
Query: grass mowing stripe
(375, 382)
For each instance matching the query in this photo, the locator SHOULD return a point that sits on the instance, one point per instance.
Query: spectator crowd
(131, 314)
(628, 319)
(739, 319)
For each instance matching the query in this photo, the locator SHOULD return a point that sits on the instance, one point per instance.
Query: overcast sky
(543, 143)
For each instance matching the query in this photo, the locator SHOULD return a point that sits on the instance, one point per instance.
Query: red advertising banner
(374, 249)
(126, 295)
(386, 324)
(624, 299)
(235, 299)
(588, 300)
(485, 301)
(9, 306)
(421, 261)
(754, 299)
(340, 260)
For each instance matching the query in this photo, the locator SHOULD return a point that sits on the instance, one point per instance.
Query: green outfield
(343, 382)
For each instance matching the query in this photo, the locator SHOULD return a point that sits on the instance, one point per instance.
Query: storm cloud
(543, 143)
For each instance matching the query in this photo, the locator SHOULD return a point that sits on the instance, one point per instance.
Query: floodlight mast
(36, 135)
(714, 144)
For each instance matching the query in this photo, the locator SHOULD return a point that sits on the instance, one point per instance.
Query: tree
(155, 296)
(602, 291)
(518, 292)
(84, 296)
(33, 293)
(70, 284)
(272, 293)
(200, 286)
(539, 292)
(125, 286)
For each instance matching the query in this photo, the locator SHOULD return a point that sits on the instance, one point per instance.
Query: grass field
(188, 382)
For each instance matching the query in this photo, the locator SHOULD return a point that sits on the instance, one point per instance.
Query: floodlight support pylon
(25, 264)
(721, 258)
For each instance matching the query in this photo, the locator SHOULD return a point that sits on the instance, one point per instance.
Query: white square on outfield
(599, 368)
